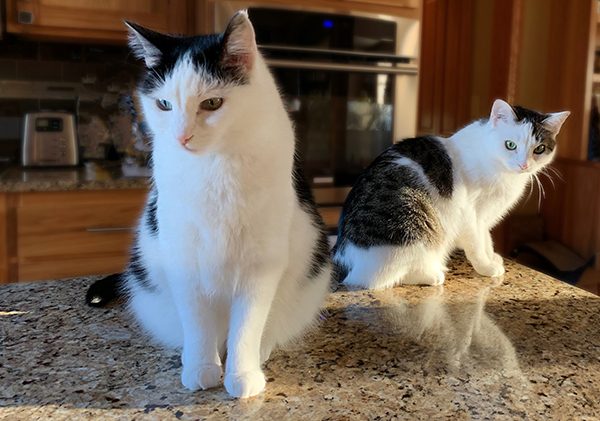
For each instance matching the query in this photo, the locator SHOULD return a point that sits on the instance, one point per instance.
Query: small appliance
(49, 139)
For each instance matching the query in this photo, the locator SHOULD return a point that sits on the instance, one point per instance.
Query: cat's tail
(340, 271)
(105, 290)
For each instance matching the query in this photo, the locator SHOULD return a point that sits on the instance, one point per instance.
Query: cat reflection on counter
(451, 325)
(424, 197)
(231, 258)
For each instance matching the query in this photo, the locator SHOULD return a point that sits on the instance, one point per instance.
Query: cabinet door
(63, 234)
(93, 19)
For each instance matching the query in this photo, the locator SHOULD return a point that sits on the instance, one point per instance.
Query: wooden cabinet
(95, 20)
(52, 235)
(445, 66)
(571, 208)
(468, 59)
(4, 239)
(62, 234)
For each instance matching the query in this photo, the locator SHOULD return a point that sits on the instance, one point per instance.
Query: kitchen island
(522, 347)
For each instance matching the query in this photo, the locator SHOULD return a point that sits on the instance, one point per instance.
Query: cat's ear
(143, 43)
(239, 44)
(554, 121)
(502, 111)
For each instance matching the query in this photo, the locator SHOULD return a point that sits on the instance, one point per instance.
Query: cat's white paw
(203, 377)
(492, 269)
(244, 385)
(498, 259)
(265, 353)
(438, 279)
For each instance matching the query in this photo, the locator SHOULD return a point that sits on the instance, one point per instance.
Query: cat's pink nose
(524, 166)
(184, 138)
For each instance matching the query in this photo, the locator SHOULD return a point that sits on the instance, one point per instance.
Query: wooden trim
(64, 34)
(445, 66)
(506, 46)
(70, 266)
(331, 215)
(456, 95)
(571, 207)
(4, 238)
(205, 17)
(11, 237)
(176, 16)
(516, 22)
(569, 68)
(433, 28)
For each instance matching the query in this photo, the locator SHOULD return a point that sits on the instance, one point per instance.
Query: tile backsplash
(94, 81)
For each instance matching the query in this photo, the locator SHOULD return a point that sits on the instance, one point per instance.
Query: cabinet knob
(25, 17)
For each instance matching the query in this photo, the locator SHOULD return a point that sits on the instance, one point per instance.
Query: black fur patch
(431, 155)
(390, 204)
(150, 212)
(137, 270)
(205, 51)
(540, 132)
(320, 255)
(104, 290)
(339, 273)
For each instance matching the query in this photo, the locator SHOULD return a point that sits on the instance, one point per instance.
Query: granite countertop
(522, 347)
(92, 176)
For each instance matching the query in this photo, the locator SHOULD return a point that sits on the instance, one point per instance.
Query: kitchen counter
(522, 347)
(92, 176)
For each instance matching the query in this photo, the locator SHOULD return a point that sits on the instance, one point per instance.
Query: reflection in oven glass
(343, 120)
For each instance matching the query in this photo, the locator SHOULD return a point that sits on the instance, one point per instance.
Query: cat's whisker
(555, 172)
(549, 177)
(542, 193)
(530, 188)
(543, 188)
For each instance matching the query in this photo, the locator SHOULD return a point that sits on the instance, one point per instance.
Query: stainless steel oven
(349, 82)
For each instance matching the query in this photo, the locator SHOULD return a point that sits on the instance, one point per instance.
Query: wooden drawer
(78, 20)
(53, 235)
(74, 233)
(331, 215)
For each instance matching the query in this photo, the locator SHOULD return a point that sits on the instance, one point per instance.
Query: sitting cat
(423, 197)
(231, 255)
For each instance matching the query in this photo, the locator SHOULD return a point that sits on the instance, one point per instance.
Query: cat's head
(194, 88)
(524, 141)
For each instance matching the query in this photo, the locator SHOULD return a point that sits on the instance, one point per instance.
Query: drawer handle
(109, 229)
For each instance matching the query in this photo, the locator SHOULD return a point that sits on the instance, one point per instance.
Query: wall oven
(349, 81)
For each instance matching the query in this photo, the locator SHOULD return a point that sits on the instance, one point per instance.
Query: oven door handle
(343, 67)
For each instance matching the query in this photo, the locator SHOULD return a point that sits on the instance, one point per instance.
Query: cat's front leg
(201, 322)
(249, 312)
(476, 241)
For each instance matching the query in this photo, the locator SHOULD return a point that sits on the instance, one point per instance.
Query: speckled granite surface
(90, 177)
(524, 347)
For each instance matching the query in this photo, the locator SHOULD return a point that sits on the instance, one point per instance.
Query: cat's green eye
(510, 145)
(164, 105)
(211, 104)
(539, 149)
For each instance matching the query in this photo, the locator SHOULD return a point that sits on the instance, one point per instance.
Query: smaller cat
(424, 197)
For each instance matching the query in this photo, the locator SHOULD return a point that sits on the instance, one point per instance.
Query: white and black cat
(231, 254)
(423, 197)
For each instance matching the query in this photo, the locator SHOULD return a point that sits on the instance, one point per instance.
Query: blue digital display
(327, 23)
